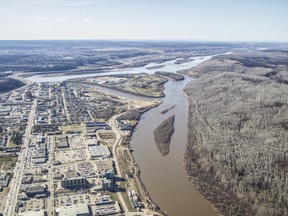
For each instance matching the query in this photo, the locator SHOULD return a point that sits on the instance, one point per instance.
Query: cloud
(48, 19)
(81, 3)
(40, 2)
(24, 4)
(40, 18)
(61, 19)
(86, 20)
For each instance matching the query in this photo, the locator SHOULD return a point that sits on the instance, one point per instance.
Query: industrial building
(74, 210)
(62, 142)
(107, 184)
(105, 169)
(33, 213)
(92, 142)
(4, 180)
(99, 151)
(33, 191)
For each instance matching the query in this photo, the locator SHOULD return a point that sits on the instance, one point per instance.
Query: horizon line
(154, 40)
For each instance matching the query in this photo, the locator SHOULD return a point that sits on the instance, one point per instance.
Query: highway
(20, 165)
(50, 201)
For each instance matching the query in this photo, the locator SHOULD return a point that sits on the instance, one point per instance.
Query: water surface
(165, 177)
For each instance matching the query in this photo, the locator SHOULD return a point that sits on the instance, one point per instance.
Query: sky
(201, 20)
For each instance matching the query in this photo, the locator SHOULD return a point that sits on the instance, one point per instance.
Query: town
(63, 151)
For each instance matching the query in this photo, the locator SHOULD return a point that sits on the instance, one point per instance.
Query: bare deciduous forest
(163, 134)
(237, 153)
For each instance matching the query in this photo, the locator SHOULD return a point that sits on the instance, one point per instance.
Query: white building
(74, 210)
(99, 151)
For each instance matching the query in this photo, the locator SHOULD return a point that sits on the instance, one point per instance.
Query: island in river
(163, 134)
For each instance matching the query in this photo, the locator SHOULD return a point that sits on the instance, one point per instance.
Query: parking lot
(31, 205)
(77, 142)
(3, 198)
(73, 199)
(71, 156)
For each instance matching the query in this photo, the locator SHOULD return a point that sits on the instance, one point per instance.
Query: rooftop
(99, 151)
(33, 213)
(74, 210)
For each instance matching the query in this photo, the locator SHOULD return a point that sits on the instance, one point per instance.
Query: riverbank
(128, 164)
(174, 76)
(141, 189)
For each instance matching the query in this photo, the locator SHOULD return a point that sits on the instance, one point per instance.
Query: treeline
(8, 84)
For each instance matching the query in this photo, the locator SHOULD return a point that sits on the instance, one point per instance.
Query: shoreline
(190, 177)
(128, 92)
(155, 208)
(206, 189)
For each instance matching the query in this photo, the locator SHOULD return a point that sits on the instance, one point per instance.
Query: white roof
(74, 210)
(99, 151)
(32, 213)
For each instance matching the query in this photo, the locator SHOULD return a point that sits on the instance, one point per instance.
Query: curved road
(118, 140)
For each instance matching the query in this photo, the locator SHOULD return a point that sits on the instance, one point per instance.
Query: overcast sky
(214, 20)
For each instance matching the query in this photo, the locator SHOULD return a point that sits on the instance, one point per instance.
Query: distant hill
(8, 84)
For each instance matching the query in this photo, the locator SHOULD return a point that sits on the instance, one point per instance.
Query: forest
(237, 153)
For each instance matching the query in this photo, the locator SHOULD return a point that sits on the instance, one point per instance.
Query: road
(20, 166)
(50, 201)
(65, 104)
(118, 140)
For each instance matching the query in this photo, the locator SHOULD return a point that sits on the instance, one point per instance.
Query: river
(170, 66)
(164, 177)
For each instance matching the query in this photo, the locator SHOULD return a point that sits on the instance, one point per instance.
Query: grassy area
(128, 201)
(7, 163)
(114, 196)
(72, 127)
(15, 129)
(6, 159)
(12, 144)
(124, 162)
(5, 191)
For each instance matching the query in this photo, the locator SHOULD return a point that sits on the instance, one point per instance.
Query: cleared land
(72, 128)
(137, 84)
(237, 144)
(7, 163)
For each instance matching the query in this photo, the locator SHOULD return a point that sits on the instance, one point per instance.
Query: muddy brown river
(165, 177)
